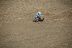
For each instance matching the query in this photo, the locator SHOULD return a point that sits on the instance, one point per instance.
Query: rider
(38, 15)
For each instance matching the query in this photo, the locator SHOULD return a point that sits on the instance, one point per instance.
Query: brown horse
(39, 19)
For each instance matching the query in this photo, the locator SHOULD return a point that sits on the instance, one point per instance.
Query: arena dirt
(17, 29)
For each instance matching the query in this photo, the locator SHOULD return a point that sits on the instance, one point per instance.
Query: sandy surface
(17, 29)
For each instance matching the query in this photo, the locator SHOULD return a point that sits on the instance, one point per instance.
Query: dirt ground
(17, 29)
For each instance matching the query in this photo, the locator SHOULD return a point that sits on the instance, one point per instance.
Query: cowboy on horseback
(38, 17)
